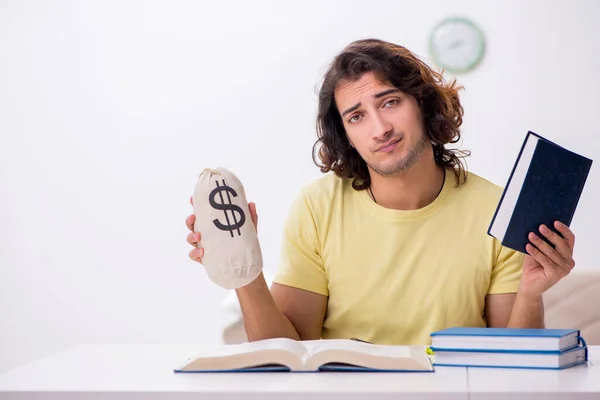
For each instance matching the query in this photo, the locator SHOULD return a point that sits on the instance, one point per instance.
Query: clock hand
(456, 44)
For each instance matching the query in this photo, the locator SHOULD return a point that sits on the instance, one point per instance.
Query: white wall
(110, 109)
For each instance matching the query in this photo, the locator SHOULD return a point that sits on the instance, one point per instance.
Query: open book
(313, 355)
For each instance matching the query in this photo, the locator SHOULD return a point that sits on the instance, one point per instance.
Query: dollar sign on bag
(226, 205)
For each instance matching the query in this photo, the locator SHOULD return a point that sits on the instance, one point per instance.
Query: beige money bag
(232, 254)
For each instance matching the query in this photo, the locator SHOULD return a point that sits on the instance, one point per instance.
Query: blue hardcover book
(566, 359)
(285, 355)
(509, 348)
(544, 186)
(505, 339)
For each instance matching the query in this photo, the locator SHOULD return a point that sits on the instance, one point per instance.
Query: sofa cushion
(574, 303)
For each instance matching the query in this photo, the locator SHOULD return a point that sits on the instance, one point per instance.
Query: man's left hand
(545, 266)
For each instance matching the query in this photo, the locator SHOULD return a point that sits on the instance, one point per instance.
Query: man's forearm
(262, 318)
(527, 313)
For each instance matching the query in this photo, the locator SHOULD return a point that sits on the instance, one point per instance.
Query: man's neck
(410, 190)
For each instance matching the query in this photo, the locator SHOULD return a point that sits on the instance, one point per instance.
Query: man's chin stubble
(404, 164)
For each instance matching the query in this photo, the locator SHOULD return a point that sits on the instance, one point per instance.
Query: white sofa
(573, 303)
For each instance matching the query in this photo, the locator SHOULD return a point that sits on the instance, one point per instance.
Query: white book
(282, 354)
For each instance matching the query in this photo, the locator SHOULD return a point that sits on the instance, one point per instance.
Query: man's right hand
(193, 238)
(270, 315)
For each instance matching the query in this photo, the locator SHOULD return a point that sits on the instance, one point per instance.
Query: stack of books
(509, 348)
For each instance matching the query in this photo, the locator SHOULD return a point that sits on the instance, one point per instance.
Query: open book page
(366, 355)
(280, 351)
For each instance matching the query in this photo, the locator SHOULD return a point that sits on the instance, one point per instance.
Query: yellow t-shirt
(395, 276)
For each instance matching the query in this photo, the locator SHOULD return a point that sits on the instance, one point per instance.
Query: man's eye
(391, 102)
(354, 118)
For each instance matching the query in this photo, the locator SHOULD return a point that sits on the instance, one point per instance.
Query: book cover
(287, 355)
(510, 332)
(513, 359)
(549, 341)
(544, 186)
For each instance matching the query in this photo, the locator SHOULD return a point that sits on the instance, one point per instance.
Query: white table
(146, 372)
(581, 382)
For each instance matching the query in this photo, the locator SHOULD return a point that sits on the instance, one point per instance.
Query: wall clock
(457, 44)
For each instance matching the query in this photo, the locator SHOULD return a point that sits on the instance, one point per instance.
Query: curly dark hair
(396, 65)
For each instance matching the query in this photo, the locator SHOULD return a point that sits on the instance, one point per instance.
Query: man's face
(383, 124)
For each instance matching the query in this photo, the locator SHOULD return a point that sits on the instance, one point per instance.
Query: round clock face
(457, 45)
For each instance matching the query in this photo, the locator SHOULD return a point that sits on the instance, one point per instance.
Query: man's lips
(388, 146)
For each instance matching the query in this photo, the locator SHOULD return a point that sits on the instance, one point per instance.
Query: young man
(393, 245)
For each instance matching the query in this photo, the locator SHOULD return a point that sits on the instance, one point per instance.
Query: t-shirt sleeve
(301, 265)
(506, 272)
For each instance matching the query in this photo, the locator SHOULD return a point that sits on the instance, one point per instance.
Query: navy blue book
(544, 186)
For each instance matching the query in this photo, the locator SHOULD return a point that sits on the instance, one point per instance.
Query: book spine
(587, 172)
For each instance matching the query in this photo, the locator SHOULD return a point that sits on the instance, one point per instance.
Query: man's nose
(381, 127)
